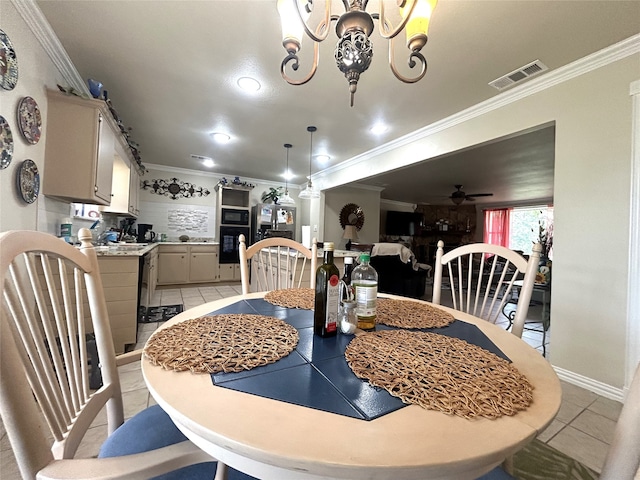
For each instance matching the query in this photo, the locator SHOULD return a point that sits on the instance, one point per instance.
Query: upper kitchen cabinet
(125, 185)
(80, 149)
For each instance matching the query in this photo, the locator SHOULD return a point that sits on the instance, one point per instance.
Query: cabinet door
(134, 187)
(104, 162)
(153, 274)
(79, 149)
(120, 187)
(203, 267)
(228, 272)
(173, 267)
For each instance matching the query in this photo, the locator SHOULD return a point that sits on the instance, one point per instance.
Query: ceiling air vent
(519, 75)
(199, 157)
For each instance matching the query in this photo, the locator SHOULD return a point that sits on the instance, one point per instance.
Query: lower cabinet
(183, 264)
(229, 272)
(173, 266)
(120, 284)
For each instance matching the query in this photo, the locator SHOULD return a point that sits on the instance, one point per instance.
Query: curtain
(496, 226)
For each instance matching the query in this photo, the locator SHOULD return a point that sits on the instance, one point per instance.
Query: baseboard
(600, 388)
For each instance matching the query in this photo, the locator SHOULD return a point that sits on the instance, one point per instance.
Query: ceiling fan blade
(480, 195)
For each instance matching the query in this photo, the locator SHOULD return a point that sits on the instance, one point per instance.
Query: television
(402, 223)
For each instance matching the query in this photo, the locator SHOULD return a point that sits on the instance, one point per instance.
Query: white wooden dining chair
(623, 457)
(277, 263)
(622, 461)
(52, 301)
(481, 278)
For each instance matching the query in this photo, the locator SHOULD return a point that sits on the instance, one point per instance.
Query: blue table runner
(316, 374)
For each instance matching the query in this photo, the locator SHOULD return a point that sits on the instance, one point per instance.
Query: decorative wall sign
(6, 143)
(29, 120)
(174, 188)
(182, 220)
(8, 63)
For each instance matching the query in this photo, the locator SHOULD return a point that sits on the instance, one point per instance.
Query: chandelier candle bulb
(354, 50)
(327, 296)
(364, 279)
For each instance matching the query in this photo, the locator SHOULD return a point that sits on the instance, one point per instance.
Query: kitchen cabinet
(183, 264)
(119, 276)
(173, 266)
(229, 272)
(134, 192)
(203, 264)
(125, 184)
(80, 149)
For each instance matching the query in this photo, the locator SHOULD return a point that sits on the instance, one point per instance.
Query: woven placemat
(439, 373)
(221, 343)
(292, 298)
(409, 314)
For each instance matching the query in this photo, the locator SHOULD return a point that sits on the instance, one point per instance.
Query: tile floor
(582, 429)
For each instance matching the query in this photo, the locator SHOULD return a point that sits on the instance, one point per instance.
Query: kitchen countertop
(138, 249)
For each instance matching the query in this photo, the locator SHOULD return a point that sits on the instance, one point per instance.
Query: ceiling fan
(459, 196)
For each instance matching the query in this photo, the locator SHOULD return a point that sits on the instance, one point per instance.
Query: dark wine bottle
(327, 299)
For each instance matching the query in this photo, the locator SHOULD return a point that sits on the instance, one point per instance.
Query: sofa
(398, 271)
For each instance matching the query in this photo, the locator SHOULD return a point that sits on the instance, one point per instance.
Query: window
(520, 227)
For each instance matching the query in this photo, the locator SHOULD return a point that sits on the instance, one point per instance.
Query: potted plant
(272, 195)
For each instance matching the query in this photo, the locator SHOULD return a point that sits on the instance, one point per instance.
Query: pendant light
(286, 198)
(309, 192)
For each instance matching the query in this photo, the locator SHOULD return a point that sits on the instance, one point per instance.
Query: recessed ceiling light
(288, 175)
(323, 158)
(206, 161)
(379, 129)
(249, 84)
(220, 137)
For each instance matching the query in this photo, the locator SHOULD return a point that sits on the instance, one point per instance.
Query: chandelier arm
(292, 57)
(412, 63)
(385, 25)
(322, 30)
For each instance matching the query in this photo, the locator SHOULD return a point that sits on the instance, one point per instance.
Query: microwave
(234, 217)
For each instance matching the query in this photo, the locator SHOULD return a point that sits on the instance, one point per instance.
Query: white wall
(36, 74)
(154, 208)
(366, 198)
(591, 207)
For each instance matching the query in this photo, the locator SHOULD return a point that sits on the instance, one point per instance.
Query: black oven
(229, 243)
(231, 216)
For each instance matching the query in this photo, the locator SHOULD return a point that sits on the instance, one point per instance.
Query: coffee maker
(143, 229)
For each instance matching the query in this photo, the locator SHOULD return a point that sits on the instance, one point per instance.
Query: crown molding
(606, 56)
(41, 29)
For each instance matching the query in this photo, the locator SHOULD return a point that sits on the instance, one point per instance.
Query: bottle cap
(328, 246)
(348, 259)
(365, 257)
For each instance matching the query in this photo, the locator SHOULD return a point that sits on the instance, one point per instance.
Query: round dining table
(272, 439)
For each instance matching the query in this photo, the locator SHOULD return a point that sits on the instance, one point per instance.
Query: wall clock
(352, 214)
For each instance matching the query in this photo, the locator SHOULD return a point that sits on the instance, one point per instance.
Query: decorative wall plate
(29, 120)
(8, 63)
(6, 143)
(28, 180)
(352, 214)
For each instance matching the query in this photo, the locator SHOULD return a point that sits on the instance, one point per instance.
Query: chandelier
(354, 26)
